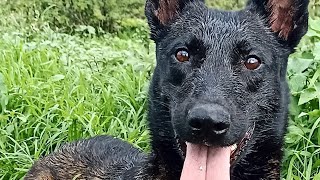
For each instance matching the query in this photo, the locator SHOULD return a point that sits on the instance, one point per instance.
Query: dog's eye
(182, 55)
(252, 62)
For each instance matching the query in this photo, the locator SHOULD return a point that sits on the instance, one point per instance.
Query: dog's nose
(209, 118)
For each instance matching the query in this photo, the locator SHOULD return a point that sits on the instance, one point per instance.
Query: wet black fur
(218, 43)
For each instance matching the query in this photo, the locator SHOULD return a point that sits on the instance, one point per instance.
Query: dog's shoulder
(101, 157)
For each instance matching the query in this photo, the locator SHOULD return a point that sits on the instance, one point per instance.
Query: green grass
(56, 88)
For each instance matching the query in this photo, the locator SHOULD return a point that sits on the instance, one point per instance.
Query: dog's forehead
(212, 25)
(221, 29)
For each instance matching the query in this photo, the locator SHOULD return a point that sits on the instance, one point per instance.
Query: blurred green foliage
(105, 16)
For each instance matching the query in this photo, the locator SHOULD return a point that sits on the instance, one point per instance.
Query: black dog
(219, 84)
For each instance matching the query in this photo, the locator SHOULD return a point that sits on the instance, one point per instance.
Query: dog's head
(224, 72)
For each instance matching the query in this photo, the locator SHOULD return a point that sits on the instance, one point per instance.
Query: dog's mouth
(208, 161)
(238, 148)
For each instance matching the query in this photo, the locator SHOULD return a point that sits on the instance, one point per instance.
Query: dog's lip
(236, 149)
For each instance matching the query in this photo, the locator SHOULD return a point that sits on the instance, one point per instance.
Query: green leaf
(315, 77)
(23, 118)
(10, 129)
(298, 65)
(317, 87)
(91, 30)
(314, 113)
(293, 106)
(302, 114)
(57, 77)
(297, 82)
(305, 153)
(294, 134)
(317, 176)
(316, 51)
(312, 33)
(317, 164)
(307, 95)
(314, 24)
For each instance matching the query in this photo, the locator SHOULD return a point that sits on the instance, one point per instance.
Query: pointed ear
(287, 18)
(161, 13)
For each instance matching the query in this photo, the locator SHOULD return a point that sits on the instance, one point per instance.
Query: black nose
(209, 118)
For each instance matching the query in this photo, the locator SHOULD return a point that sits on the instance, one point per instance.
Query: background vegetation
(72, 69)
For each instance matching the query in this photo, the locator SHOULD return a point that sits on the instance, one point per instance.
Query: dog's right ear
(288, 19)
(160, 13)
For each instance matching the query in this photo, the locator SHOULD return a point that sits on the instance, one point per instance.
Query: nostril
(221, 127)
(195, 123)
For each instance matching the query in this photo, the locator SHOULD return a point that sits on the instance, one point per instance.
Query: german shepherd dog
(218, 100)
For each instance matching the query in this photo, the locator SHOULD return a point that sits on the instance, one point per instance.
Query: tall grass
(57, 88)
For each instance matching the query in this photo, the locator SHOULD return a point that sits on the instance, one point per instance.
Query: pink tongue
(206, 163)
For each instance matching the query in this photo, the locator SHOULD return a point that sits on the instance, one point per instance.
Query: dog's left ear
(287, 18)
(160, 13)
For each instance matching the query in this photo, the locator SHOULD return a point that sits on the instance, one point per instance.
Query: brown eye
(252, 62)
(182, 55)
